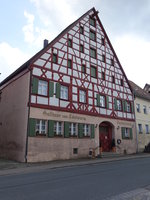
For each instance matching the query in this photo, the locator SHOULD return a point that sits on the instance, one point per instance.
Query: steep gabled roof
(139, 92)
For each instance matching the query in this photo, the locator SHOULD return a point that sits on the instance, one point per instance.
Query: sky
(26, 23)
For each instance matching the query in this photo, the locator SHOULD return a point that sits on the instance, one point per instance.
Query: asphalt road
(88, 182)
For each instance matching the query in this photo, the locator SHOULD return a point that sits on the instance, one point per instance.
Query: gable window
(138, 107)
(72, 129)
(92, 53)
(140, 129)
(58, 128)
(113, 79)
(92, 21)
(144, 109)
(112, 62)
(42, 87)
(103, 58)
(93, 71)
(103, 75)
(41, 127)
(70, 43)
(81, 30)
(92, 35)
(147, 128)
(82, 96)
(81, 48)
(86, 129)
(121, 81)
(103, 41)
(69, 63)
(83, 69)
(54, 58)
(64, 92)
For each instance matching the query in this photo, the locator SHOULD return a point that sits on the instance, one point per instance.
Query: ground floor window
(41, 127)
(58, 128)
(72, 129)
(86, 129)
(126, 133)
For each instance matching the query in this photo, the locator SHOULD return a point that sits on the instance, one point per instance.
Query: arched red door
(105, 136)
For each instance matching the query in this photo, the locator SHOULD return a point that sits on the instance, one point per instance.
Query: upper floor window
(82, 96)
(69, 63)
(128, 107)
(93, 71)
(103, 41)
(102, 101)
(113, 79)
(70, 43)
(81, 48)
(93, 53)
(117, 104)
(41, 127)
(103, 75)
(144, 109)
(58, 128)
(138, 107)
(64, 92)
(81, 30)
(54, 58)
(72, 129)
(83, 68)
(140, 129)
(147, 128)
(92, 35)
(42, 87)
(86, 129)
(92, 21)
(103, 58)
(121, 82)
(112, 61)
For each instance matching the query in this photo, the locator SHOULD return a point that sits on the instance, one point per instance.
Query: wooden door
(105, 136)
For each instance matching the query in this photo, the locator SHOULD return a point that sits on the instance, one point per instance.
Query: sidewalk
(11, 167)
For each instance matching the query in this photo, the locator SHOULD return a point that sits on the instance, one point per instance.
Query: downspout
(29, 101)
(137, 148)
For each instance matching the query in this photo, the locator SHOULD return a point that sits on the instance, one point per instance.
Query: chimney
(45, 43)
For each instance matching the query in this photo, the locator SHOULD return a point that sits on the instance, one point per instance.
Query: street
(87, 182)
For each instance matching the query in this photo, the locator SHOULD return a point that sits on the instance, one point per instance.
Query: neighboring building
(147, 88)
(70, 97)
(142, 115)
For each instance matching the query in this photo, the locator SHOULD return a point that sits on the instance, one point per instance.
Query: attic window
(112, 61)
(70, 43)
(121, 82)
(103, 58)
(81, 30)
(103, 41)
(54, 59)
(92, 21)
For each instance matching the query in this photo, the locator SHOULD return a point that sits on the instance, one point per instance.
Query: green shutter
(80, 130)
(131, 135)
(58, 90)
(31, 128)
(50, 128)
(107, 102)
(34, 85)
(98, 99)
(132, 107)
(115, 104)
(51, 89)
(124, 105)
(92, 131)
(123, 132)
(66, 129)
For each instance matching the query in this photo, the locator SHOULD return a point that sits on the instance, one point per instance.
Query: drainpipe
(137, 148)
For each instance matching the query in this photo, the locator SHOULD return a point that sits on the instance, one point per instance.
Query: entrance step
(108, 155)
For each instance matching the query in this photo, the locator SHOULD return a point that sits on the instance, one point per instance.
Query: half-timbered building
(71, 98)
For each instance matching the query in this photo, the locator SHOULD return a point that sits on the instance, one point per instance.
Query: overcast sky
(26, 23)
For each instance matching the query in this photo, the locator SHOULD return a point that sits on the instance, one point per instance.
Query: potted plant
(113, 145)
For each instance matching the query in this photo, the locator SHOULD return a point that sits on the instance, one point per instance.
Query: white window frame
(127, 133)
(119, 106)
(82, 96)
(86, 130)
(58, 127)
(128, 107)
(102, 101)
(73, 129)
(144, 109)
(64, 92)
(140, 129)
(42, 87)
(41, 127)
(138, 107)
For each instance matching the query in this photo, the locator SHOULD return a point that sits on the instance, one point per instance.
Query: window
(117, 104)
(128, 107)
(73, 129)
(54, 59)
(41, 127)
(112, 62)
(92, 35)
(144, 109)
(64, 92)
(82, 96)
(103, 58)
(103, 75)
(92, 53)
(93, 71)
(138, 107)
(86, 129)
(92, 21)
(113, 79)
(81, 30)
(103, 41)
(126, 133)
(42, 87)
(69, 63)
(147, 128)
(102, 101)
(81, 48)
(83, 69)
(69, 43)
(58, 128)
(121, 81)
(140, 128)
